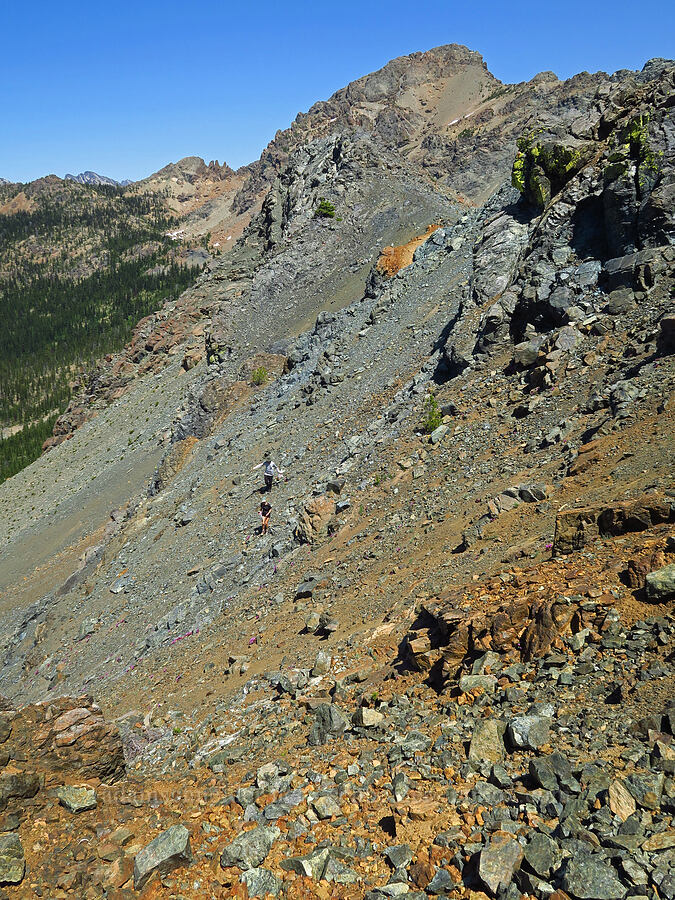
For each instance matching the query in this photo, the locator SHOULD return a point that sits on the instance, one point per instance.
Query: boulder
(17, 787)
(532, 493)
(453, 635)
(66, 736)
(574, 528)
(667, 333)
(548, 621)
(314, 519)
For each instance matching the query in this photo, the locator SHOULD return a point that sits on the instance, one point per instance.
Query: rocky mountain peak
(192, 167)
(94, 178)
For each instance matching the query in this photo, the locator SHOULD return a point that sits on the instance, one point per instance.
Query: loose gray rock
(261, 882)
(438, 434)
(312, 865)
(167, 852)
(543, 855)
(77, 799)
(660, 585)
(646, 789)
(590, 878)
(338, 873)
(499, 861)
(306, 588)
(87, 627)
(542, 774)
(326, 807)
(330, 721)
(400, 786)
(250, 849)
(471, 682)
(486, 742)
(528, 732)
(399, 856)
(321, 664)
(367, 718)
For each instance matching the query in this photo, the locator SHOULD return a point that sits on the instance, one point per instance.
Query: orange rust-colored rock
(393, 259)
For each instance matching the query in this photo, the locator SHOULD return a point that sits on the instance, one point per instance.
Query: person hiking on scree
(270, 468)
(265, 514)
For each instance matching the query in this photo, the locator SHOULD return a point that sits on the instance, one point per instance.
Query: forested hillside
(79, 266)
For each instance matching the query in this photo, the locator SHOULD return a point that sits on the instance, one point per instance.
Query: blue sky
(123, 88)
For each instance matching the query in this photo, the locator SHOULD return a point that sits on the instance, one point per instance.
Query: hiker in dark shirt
(265, 514)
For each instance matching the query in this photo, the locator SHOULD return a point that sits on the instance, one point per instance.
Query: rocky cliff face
(457, 634)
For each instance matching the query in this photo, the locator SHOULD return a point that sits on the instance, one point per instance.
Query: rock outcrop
(574, 528)
(62, 738)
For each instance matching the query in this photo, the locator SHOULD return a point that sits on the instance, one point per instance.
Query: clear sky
(125, 87)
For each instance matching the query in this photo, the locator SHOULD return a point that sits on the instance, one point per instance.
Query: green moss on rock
(518, 173)
(631, 142)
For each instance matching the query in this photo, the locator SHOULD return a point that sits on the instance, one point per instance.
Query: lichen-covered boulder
(545, 163)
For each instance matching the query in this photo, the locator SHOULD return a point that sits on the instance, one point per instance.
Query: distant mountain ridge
(94, 178)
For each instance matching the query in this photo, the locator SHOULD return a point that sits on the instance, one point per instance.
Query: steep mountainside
(447, 668)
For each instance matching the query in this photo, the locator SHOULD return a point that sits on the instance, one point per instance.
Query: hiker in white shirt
(270, 468)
